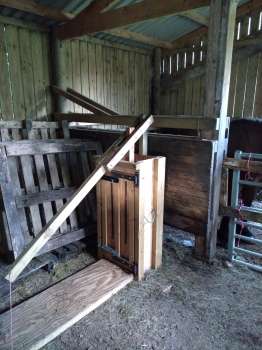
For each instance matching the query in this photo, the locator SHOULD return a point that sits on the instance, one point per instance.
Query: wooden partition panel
(188, 175)
(25, 75)
(116, 76)
(183, 72)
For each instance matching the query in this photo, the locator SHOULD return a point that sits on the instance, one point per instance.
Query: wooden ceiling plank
(31, 6)
(123, 16)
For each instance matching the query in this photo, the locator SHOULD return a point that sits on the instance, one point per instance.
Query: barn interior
(131, 149)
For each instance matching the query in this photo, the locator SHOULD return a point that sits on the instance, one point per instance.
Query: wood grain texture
(188, 172)
(25, 73)
(125, 15)
(109, 160)
(43, 317)
(105, 70)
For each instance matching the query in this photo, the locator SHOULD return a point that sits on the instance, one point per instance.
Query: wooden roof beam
(189, 38)
(194, 16)
(147, 9)
(31, 6)
(141, 38)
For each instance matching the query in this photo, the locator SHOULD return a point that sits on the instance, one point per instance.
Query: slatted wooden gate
(130, 203)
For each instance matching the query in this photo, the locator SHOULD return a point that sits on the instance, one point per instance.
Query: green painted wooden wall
(25, 73)
(116, 76)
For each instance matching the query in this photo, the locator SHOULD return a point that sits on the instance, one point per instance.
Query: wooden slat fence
(183, 75)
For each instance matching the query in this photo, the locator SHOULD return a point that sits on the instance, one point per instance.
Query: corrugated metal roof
(166, 28)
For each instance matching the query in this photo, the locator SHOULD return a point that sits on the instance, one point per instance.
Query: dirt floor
(187, 304)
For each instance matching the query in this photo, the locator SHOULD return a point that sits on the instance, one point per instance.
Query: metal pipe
(251, 155)
(250, 224)
(250, 183)
(249, 239)
(246, 251)
(252, 266)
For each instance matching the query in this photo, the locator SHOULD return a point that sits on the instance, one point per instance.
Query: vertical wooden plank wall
(188, 95)
(25, 76)
(116, 76)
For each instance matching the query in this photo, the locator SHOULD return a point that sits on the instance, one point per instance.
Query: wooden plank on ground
(43, 317)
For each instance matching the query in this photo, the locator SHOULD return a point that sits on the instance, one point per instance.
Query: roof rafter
(193, 15)
(85, 24)
(31, 6)
(189, 38)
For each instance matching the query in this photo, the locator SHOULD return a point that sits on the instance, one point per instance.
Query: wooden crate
(130, 206)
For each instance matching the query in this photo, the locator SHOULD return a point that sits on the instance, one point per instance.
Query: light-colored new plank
(43, 317)
(158, 205)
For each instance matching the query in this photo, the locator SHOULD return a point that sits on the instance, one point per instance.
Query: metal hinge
(115, 178)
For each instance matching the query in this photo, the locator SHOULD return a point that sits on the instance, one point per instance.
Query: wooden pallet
(11, 130)
(37, 177)
(43, 317)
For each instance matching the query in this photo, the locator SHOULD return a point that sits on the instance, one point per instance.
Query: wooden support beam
(193, 15)
(189, 38)
(109, 160)
(123, 16)
(249, 7)
(243, 165)
(141, 38)
(31, 6)
(96, 7)
(160, 121)
(218, 71)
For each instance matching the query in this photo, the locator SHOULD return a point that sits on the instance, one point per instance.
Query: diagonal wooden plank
(99, 108)
(109, 160)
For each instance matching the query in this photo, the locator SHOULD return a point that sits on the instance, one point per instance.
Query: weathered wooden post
(218, 69)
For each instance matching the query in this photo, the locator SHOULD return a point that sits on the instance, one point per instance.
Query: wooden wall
(188, 175)
(245, 99)
(183, 74)
(24, 76)
(115, 76)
